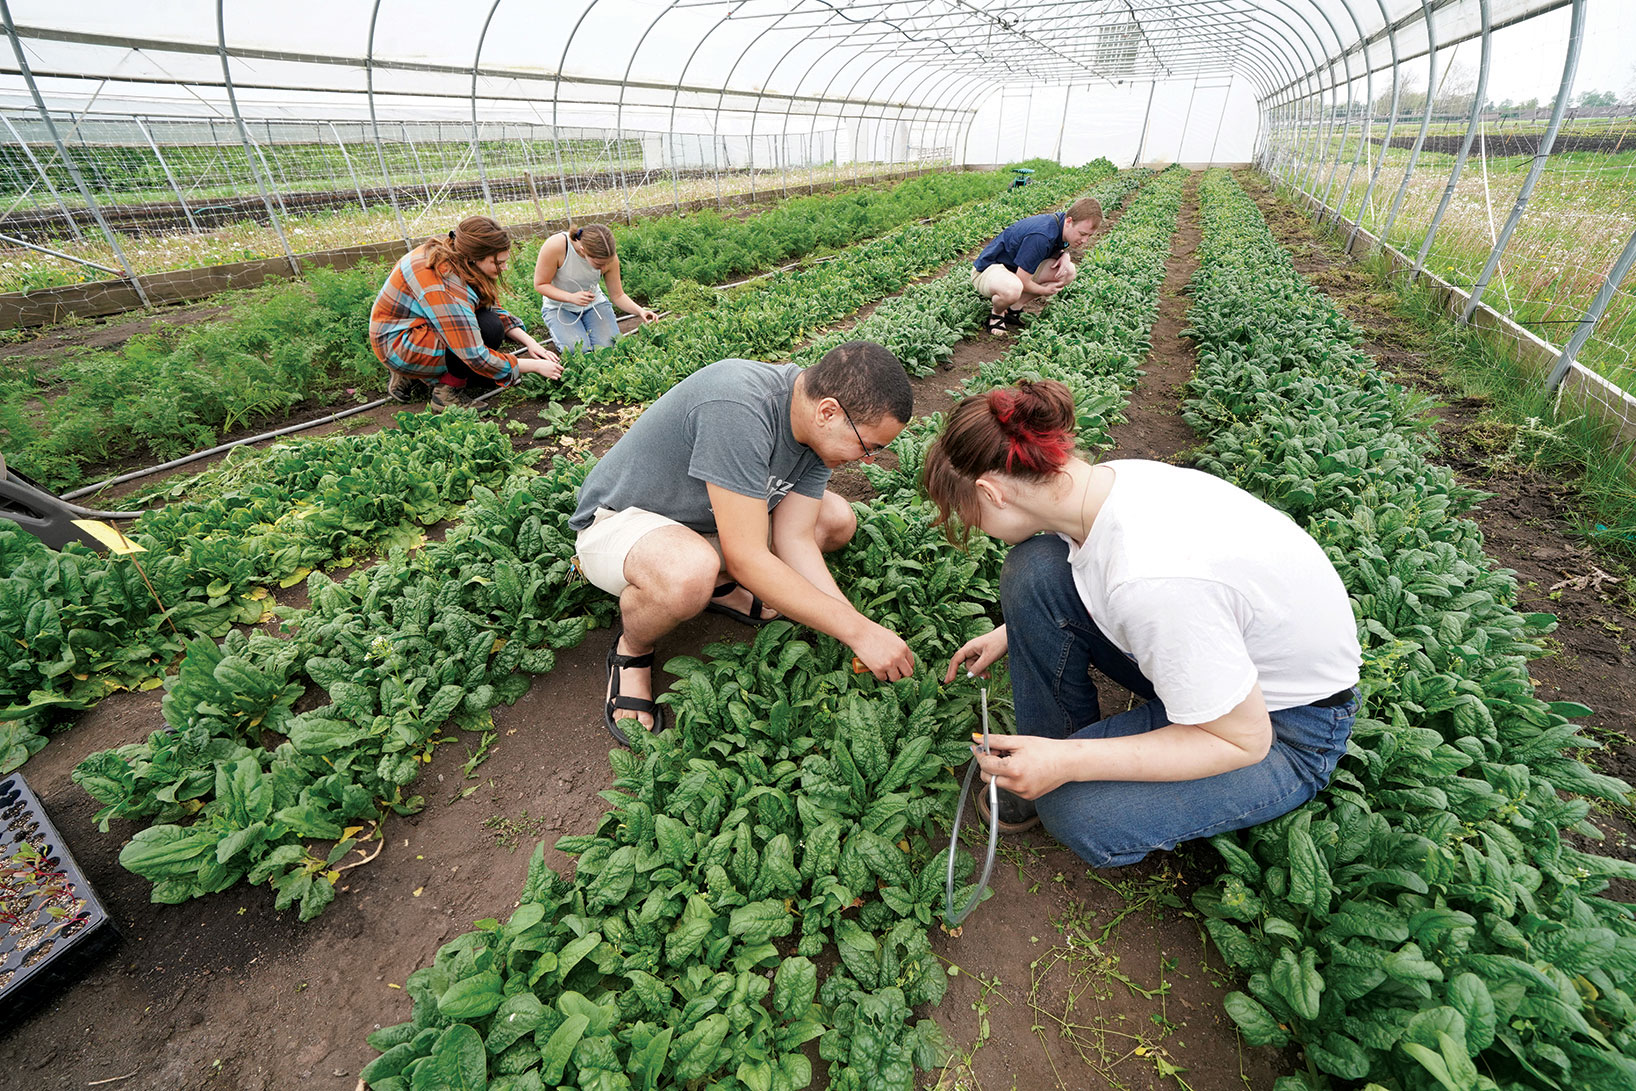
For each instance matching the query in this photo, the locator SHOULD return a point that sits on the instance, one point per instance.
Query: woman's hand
(645, 315)
(536, 351)
(581, 299)
(1027, 765)
(533, 365)
(978, 654)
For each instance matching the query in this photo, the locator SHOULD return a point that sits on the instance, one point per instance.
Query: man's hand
(978, 654)
(884, 653)
(1027, 765)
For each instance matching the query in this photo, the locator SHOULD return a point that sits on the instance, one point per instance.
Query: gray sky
(1528, 58)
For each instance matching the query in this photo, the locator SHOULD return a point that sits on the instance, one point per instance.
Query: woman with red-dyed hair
(1216, 608)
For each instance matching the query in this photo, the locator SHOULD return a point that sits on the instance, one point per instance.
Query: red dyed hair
(1035, 447)
(1026, 431)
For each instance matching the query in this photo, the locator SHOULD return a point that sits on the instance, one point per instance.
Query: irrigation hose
(951, 917)
(197, 455)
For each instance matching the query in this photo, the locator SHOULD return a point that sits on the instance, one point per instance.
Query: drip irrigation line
(197, 455)
(952, 917)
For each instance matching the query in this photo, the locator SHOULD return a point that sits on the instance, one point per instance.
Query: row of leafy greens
(1425, 922)
(793, 809)
(79, 624)
(178, 388)
(83, 625)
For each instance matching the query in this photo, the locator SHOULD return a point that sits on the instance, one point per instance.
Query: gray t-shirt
(728, 425)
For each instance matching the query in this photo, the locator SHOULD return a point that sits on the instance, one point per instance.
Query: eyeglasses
(869, 453)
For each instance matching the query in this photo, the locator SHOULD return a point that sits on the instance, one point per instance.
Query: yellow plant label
(109, 535)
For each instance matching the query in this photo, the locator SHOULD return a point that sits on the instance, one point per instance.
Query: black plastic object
(43, 514)
(30, 977)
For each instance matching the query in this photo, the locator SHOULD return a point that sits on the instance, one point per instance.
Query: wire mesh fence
(192, 193)
(1531, 209)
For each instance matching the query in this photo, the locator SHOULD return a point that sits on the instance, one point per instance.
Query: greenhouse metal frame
(747, 97)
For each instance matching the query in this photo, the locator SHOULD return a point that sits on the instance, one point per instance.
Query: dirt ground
(1066, 979)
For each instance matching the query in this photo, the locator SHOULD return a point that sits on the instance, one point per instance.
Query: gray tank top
(576, 275)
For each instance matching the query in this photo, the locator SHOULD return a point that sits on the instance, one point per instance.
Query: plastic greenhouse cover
(661, 56)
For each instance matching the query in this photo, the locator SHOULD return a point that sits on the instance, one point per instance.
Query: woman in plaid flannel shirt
(437, 320)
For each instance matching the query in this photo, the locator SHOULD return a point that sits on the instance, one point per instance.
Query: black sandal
(616, 702)
(1013, 317)
(996, 325)
(752, 618)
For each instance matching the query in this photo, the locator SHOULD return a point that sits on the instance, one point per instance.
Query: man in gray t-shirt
(715, 499)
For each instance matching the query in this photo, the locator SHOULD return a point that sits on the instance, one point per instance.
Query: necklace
(1084, 502)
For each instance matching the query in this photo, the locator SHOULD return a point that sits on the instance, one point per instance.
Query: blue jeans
(593, 328)
(1053, 643)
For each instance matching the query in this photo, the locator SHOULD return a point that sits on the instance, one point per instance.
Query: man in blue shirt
(1030, 258)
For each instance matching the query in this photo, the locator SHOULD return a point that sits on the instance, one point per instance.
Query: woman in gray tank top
(569, 274)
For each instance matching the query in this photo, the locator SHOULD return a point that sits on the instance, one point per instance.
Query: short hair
(866, 379)
(1086, 208)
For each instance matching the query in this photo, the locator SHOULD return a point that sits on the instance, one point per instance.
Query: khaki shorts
(602, 547)
(989, 282)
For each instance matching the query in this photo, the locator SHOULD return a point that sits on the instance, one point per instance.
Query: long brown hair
(597, 240)
(473, 239)
(1026, 431)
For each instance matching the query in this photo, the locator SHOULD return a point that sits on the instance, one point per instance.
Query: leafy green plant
(1424, 923)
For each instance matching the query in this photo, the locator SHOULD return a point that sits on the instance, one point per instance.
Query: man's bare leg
(672, 572)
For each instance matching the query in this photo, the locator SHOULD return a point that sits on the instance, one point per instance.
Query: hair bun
(1038, 434)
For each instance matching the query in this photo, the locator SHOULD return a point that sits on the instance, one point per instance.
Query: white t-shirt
(1212, 591)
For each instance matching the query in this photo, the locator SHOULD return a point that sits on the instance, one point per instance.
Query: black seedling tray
(30, 977)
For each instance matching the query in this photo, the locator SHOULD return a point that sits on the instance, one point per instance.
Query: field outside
(1582, 211)
(177, 248)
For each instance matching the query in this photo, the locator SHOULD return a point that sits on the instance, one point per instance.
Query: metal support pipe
(476, 139)
(73, 225)
(1570, 67)
(619, 109)
(1465, 145)
(1335, 105)
(15, 241)
(192, 225)
(556, 131)
(1221, 119)
(357, 188)
(1582, 331)
(420, 168)
(1067, 102)
(1425, 120)
(1369, 99)
(1141, 141)
(244, 138)
(1391, 126)
(73, 169)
